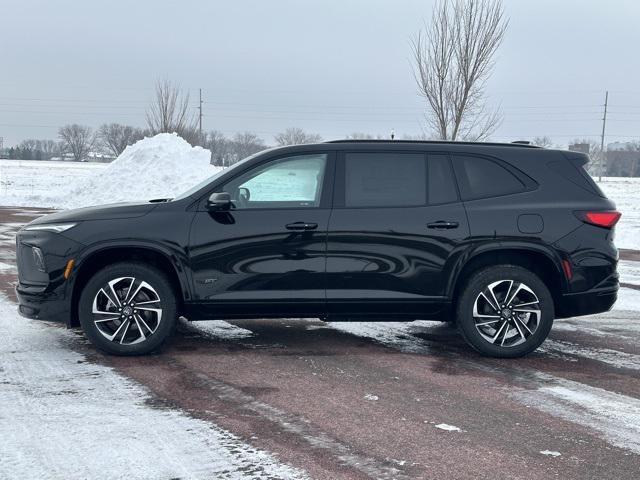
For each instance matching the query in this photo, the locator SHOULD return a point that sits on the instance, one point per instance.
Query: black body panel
(399, 262)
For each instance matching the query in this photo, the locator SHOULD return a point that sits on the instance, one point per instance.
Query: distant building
(579, 147)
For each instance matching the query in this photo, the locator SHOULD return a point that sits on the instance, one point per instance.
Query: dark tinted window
(574, 171)
(385, 179)
(442, 187)
(480, 177)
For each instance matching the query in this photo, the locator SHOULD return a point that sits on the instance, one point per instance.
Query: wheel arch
(99, 257)
(538, 259)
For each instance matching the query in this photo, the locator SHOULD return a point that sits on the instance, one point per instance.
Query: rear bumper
(587, 303)
(38, 303)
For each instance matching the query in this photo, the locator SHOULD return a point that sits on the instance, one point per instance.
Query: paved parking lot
(385, 400)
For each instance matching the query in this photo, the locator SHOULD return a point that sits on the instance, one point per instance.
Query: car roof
(519, 144)
(409, 145)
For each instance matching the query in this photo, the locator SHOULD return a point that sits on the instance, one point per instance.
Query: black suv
(498, 238)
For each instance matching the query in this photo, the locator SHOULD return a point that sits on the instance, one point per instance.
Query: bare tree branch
(296, 136)
(544, 142)
(78, 140)
(453, 58)
(115, 137)
(169, 111)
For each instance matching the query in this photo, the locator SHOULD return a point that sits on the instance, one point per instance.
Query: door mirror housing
(219, 201)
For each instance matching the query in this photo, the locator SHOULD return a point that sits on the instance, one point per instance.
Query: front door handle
(299, 226)
(442, 225)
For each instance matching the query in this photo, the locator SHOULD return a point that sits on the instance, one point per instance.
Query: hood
(100, 212)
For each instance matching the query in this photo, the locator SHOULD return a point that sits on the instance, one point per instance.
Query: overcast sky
(332, 67)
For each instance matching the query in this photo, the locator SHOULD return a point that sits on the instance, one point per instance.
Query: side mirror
(219, 201)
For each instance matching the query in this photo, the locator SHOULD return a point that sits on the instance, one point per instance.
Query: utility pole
(604, 124)
(200, 119)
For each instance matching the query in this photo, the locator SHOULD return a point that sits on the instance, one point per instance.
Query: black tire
(141, 322)
(507, 317)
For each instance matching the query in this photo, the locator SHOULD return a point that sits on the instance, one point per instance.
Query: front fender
(177, 257)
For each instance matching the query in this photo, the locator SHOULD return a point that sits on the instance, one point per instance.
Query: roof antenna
(393, 134)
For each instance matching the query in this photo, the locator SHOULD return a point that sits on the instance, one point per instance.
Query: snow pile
(157, 167)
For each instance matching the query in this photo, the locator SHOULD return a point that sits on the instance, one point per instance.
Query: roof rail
(438, 142)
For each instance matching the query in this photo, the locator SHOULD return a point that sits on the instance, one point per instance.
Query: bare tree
(33, 149)
(115, 137)
(169, 111)
(453, 59)
(220, 147)
(296, 136)
(362, 136)
(50, 148)
(77, 140)
(245, 144)
(543, 141)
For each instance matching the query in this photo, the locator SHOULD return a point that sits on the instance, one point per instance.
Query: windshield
(210, 179)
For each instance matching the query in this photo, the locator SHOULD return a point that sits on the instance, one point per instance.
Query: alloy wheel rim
(506, 313)
(127, 310)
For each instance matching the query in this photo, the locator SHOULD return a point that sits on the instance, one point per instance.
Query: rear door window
(385, 180)
(480, 177)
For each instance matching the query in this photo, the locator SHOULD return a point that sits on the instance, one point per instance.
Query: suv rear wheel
(505, 311)
(128, 309)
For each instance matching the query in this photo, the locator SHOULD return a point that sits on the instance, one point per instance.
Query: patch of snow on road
(616, 417)
(448, 428)
(7, 267)
(62, 417)
(393, 334)
(550, 453)
(628, 299)
(611, 357)
(622, 324)
(371, 397)
(216, 329)
(629, 272)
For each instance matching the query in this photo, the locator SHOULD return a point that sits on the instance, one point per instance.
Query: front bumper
(38, 303)
(44, 295)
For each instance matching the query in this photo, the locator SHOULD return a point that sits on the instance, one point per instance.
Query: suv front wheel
(128, 309)
(505, 311)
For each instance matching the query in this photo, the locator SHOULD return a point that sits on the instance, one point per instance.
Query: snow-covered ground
(52, 401)
(626, 193)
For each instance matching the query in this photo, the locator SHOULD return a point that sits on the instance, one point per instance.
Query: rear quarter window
(480, 177)
(573, 169)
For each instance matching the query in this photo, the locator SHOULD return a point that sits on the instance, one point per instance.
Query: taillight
(600, 219)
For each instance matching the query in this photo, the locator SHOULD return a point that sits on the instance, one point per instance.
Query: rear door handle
(442, 225)
(299, 226)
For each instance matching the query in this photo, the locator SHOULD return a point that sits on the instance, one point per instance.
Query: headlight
(50, 227)
(38, 258)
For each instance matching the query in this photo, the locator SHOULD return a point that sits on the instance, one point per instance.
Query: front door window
(291, 182)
